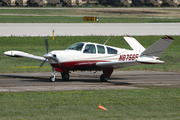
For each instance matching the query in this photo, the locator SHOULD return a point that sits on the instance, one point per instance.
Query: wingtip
(8, 53)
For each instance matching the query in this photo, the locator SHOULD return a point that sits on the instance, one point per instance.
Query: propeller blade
(49, 55)
(42, 63)
(47, 45)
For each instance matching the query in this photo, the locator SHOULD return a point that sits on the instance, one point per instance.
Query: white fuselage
(100, 53)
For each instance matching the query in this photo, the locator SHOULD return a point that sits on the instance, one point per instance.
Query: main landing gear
(103, 79)
(65, 76)
(106, 74)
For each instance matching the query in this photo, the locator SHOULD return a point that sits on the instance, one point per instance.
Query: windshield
(76, 46)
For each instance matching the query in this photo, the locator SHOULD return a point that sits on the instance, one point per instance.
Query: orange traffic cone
(101, 107)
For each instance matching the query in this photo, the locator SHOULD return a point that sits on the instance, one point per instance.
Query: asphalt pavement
(88, 29)
(20, 82)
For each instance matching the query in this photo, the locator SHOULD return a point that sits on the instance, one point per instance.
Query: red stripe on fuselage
(78, 65)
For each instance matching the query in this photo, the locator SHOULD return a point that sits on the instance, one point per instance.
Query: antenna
(107, 40)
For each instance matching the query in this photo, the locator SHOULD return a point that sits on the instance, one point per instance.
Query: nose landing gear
(65, 75)
(53, 77)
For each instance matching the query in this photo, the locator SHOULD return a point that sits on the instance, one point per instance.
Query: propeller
(48, 55)
(47, 50)
(47, 45)
(43, 63)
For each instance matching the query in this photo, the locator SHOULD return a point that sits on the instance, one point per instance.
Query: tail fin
(135, 45)
(159, 47)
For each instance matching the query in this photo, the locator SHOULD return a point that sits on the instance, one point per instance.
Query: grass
(76, 15)
(66, 19)
(36, 46)
(151, 104)
(156, 103)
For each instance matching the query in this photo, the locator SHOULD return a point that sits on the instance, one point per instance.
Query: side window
(111, 50)
(101, 49)
(90, 48)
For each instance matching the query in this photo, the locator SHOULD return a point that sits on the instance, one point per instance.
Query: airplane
(89, 56)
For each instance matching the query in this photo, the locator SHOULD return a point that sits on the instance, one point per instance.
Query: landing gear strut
(53, 77)
(65, 76)
(103, 79)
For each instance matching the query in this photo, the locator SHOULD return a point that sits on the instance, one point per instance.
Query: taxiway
(20, 82)
(88, 29)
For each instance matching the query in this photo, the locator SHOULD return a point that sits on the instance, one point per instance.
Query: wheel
(103, 79)
(52, 78)
(65, 76)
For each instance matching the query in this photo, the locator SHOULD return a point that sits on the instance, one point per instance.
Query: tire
(65, 76)
(102, 79)
(52, 78)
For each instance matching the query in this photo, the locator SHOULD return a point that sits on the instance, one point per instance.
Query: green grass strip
(151, 104)
(65, 19)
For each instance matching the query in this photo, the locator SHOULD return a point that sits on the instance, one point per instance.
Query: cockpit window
(76, 46)
(111, 50)
(90, 48)
(101, 49)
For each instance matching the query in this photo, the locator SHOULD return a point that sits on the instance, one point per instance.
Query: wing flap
(23, 54)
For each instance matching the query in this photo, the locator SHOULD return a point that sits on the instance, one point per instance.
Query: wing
(149, 60)
(117, 64)
(114, 65)
(23, 54)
